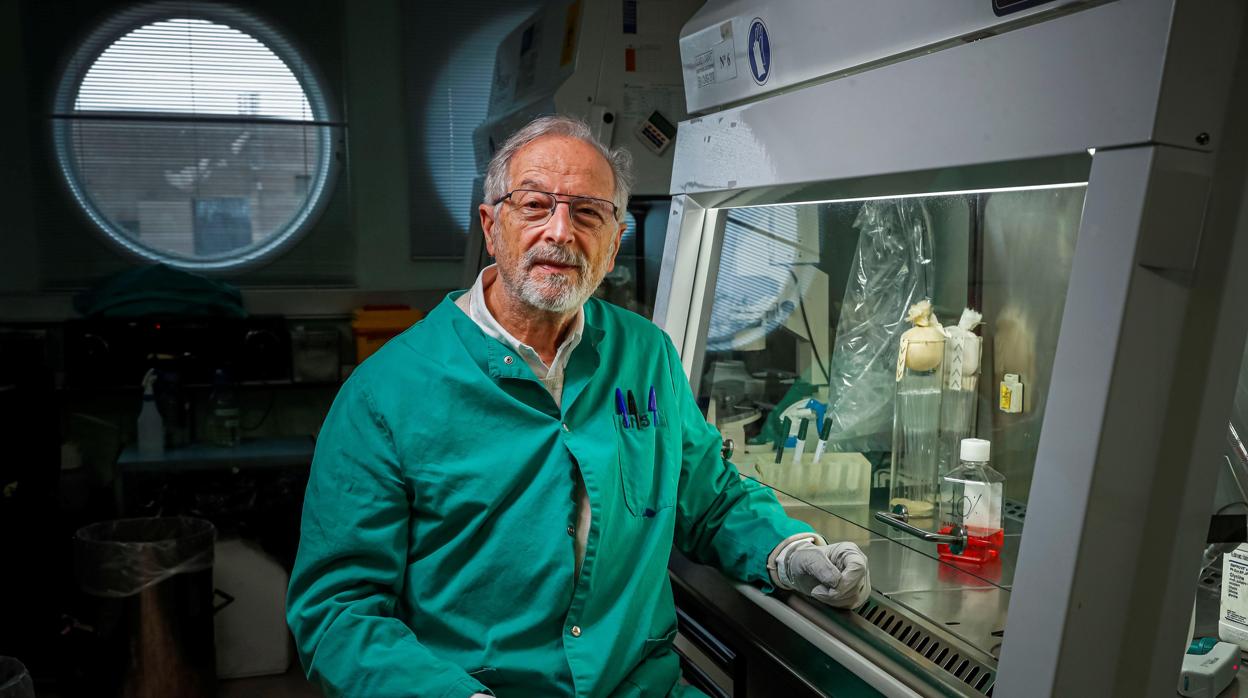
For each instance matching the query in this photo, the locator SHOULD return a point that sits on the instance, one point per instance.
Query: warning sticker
(714, 55)
(704, 65)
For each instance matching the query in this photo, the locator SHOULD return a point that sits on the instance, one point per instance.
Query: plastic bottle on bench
(223, 413)
(971, 497)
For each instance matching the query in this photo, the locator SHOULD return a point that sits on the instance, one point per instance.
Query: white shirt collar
(473, 303)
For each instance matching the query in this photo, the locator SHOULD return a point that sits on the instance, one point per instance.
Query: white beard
(556, 293)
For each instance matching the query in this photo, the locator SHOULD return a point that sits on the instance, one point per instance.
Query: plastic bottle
(971, 496)
(1233, 610)
(175, 407)
(223, 414)
(151, 428)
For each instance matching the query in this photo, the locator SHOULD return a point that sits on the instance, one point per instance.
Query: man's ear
(487, 226)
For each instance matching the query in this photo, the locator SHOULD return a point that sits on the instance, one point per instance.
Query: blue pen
(621, 407)
(653, 406)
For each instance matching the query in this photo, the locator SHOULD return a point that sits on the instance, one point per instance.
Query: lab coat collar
(490, 354)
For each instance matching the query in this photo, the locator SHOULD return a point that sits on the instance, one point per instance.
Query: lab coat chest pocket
(648, 470)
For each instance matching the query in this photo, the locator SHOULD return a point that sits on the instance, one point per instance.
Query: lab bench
(249, 453)
(253, 490)
(785, 640)
(929, 629)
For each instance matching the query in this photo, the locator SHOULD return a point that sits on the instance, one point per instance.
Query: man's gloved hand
(835, 574)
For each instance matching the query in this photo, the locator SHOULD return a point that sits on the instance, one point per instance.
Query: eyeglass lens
(536, 207)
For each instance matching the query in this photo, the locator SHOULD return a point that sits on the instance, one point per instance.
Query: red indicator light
(158, 325)
(1235, 667)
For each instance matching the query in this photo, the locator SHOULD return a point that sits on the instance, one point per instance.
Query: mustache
(553, 254)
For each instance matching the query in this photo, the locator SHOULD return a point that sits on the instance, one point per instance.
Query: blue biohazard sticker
(760, 51)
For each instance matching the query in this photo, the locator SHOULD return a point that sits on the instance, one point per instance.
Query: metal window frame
(326, 120)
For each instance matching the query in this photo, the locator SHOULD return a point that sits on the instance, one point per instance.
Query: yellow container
(374, 325)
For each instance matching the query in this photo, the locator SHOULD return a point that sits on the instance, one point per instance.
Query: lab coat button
(508, 360)
(571, 530)
(576, 631)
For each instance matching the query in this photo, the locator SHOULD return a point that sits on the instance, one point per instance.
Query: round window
(194, 134)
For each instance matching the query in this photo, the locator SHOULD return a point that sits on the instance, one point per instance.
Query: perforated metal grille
(1014, 509)
(938, 654)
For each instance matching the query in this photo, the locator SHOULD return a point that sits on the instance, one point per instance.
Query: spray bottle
(151, 427)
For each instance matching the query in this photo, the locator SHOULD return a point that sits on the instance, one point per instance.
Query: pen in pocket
(620, 408)
(632, 410)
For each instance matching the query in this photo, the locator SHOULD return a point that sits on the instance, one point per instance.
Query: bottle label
(1234, 589)
(979, 508)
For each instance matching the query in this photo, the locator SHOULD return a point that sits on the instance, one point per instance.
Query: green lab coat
(437, 545)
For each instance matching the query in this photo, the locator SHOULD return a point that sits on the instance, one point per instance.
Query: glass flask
(960, 398)
(915, 475)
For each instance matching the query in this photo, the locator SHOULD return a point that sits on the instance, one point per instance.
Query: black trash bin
(152, 579)
(14, 681)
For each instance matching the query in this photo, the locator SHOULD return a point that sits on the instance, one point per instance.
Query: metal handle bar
(900, 521)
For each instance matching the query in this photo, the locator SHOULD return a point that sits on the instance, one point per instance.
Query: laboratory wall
(357, 252)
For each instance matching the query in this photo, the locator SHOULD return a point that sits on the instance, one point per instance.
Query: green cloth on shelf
(160, 290)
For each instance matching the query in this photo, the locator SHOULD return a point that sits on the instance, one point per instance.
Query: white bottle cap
(976, 450)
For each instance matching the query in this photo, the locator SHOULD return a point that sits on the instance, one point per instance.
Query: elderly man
(496, 492)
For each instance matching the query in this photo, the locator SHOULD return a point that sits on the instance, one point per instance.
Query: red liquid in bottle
(981, 546)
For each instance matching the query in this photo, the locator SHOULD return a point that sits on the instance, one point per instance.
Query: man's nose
(558, 228)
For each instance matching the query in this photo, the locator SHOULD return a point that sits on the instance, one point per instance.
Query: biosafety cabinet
(1073, 172)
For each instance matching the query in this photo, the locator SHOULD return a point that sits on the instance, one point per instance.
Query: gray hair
(620, 160)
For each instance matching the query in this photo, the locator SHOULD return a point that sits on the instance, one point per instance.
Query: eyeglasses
(535, 207)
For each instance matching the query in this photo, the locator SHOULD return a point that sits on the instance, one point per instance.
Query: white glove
(835, 574)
